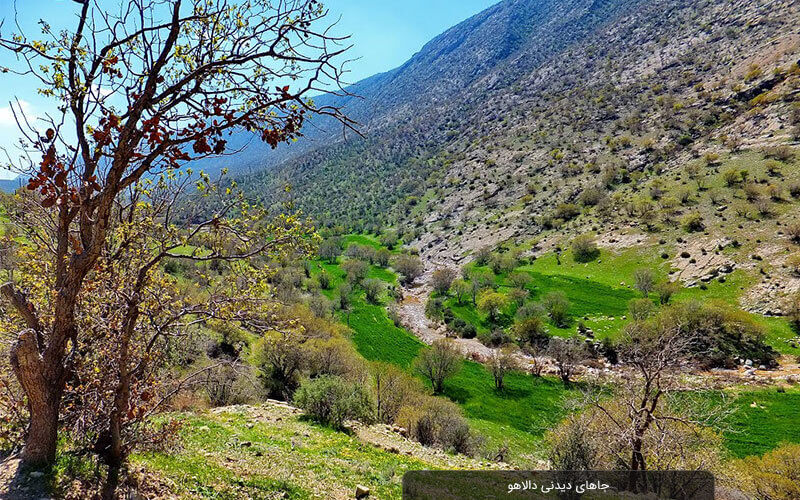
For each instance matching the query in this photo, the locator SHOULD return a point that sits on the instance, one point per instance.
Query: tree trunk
(44, 399)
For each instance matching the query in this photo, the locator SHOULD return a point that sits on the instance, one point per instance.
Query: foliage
(331, 400)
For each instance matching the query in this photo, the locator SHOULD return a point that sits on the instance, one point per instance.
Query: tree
(644, 280)
(557, 306)
(330, 250)
(438, 363)
(356, 270)
(642, 421)
(666, 290)
(147, 90)
(461, 289)
(530, 330)
(502, 362)
(492, 303)
(410, 268)
(442, 279)
(382, 257)
(482, 256)
(394, 388)
(389, 239)
(373, 288)
(567, 355)
(584, 248)
(520, 279)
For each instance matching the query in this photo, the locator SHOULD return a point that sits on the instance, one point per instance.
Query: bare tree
(648, 423)
(567, 355)
(141, 91)
(439, 363)
(502, 362)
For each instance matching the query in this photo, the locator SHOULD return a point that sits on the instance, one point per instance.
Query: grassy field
(238, 455)
(599, 292)
(518, 416)
(529, 406)
(762, 420)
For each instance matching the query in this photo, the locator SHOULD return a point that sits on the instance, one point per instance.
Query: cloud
(7, 119)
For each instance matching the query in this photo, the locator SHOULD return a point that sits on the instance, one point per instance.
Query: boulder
(362, 491)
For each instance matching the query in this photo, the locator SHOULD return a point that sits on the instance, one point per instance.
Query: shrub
(279, 358)
(331, 400)
(332, 356)
(640, 309)
(557, 307)
(437, 422)
(793, 261)
(793, 232)
(666, 290)
(393, 389)
(482, 256)
(356, 270)
(389, 239)
(442, 279)
(410, 268)
(584, 248)
(382, 257)
(644, 280)
(693, 222)
(324, 280)
(320, 306)
(773, 476)
(373, 288)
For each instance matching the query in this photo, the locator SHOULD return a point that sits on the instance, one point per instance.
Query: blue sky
(385, 33)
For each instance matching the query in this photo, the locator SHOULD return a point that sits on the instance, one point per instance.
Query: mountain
(537, 120)
(10, 185)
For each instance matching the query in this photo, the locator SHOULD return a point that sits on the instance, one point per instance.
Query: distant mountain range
(10, 185)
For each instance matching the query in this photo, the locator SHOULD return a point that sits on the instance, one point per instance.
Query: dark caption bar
(562, 485)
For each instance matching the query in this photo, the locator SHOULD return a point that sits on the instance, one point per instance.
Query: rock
(748, 362)
(362, 491)
(762, 367)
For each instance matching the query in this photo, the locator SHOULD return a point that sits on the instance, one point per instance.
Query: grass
(233, 455)
(762, 420)
(599, 291)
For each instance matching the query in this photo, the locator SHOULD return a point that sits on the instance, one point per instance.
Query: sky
(385, 34)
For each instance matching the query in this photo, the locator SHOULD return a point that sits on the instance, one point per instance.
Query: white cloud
(7, 119)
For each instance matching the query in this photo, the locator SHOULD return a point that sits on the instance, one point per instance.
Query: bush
(693, 222)
(356, 270)
(410, 268)
(640, 309)
(644, 280)
(393, 389)
(324, 280)
(438, 422)
(442, 279)
(557, 307)
(331, 400)
(373, 288)
(584, 249)
(774, 476)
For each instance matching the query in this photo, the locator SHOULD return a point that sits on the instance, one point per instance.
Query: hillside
(535, 121)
